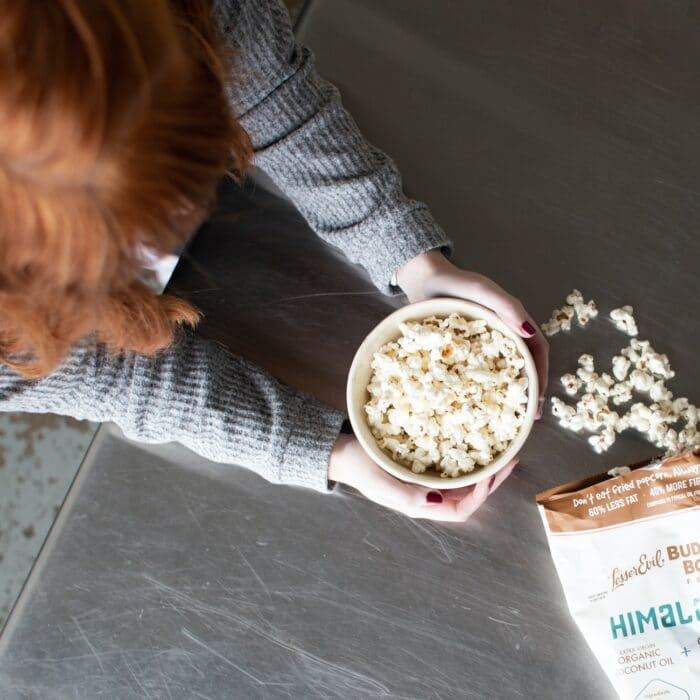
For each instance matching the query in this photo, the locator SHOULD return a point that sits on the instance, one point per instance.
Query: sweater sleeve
(218, 404)
(349, 191)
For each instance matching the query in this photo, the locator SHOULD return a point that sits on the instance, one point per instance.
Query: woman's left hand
(431, 274)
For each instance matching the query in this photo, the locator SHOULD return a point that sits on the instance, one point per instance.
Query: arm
(218, 404)
(350, 193)
(348, 190)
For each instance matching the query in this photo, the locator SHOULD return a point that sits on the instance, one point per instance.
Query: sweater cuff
(308, 450)
(415, 233)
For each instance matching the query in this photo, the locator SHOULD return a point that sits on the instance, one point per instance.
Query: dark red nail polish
(433, 497)
(527, 327)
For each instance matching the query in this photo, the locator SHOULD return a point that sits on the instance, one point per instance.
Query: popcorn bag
(627, 551)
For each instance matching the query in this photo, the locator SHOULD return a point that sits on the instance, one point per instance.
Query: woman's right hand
(349, 464)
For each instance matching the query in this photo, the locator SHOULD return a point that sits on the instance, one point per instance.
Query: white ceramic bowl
(361, 372)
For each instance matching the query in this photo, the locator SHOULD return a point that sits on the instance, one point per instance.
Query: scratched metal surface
(558, 144)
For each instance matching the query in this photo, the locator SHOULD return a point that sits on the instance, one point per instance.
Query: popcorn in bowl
(450, 394)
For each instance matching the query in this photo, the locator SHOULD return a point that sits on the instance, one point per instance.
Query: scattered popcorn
(688, 439)
(670, 440)
(448, 394)
(602, 385)
(644, 357)
(603, 441)
(624, 320)
(667, 422)
(586, 376)
(586, 362)
(575, 306)
(623, 424)
(584, 311)
(590, 403)
(560, 409)
(575, 298)
(579, 422)
(620, 367)
(641, 381)
(560, 320)
(680, 406)
(572, 384)
(606, 417)
(550, 327)
(621, 393)
(659, 392)
(657, 365)
(639, 417)
(619, 471)
(631, 354)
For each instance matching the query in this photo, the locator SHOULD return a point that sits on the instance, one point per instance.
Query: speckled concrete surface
(39, 455)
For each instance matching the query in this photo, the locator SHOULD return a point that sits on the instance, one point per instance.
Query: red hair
(114, 130)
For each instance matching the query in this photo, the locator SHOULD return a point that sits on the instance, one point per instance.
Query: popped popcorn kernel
(572, 384)
(585, 361)
(585, 311)
(603, 441)
(620, 367)
(623, 319)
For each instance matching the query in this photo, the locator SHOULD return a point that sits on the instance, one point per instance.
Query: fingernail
(527, 328)
(433, 497)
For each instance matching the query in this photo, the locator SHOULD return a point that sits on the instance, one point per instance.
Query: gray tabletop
(558, 146)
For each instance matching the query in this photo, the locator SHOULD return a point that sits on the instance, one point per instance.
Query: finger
(486, 292)
(494, 482)
(457, 494)
(474, 500)
(539, 347)
(449, 510)
(469, 499)
(502, 475)
(412, 500)
(446, 512)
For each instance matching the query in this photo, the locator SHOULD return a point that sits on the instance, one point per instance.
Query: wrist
(338, 461)
(411, 276)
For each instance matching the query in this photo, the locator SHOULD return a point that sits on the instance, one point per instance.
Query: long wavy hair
(114, 130)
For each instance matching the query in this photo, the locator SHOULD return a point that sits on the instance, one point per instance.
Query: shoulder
(245, 23)
(260, 34)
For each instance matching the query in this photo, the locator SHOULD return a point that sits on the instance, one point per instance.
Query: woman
(117, 119)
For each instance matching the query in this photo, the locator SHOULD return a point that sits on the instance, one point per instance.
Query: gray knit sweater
(220, 405)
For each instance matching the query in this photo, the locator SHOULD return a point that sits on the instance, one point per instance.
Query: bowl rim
(437, 306)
